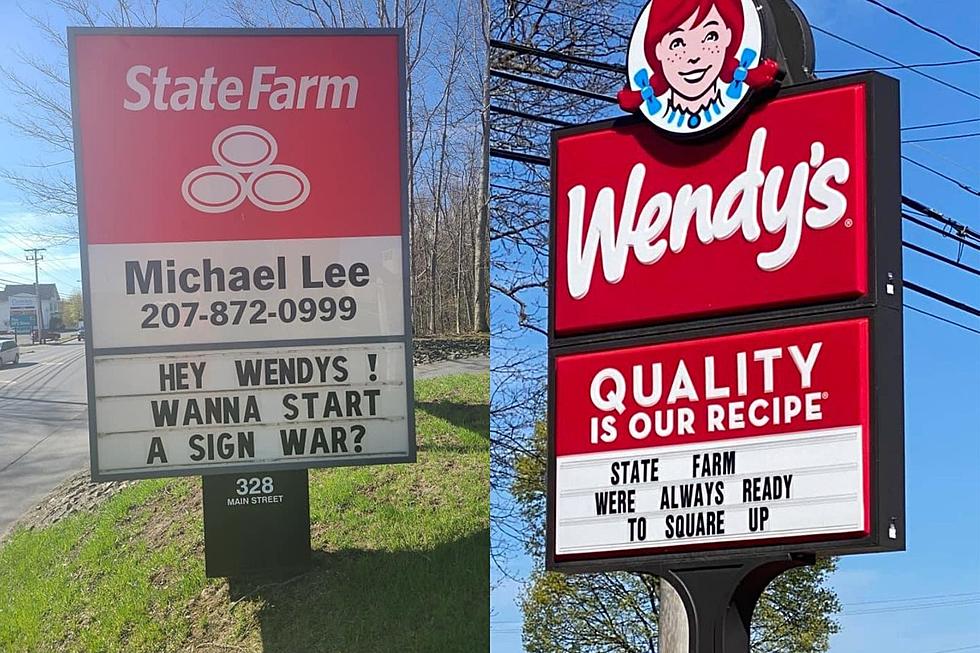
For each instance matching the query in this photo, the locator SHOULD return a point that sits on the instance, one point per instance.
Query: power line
(940, 257)
(941, 124)
(558, 56)
(521, 157)
(907, 599)
(943, 138)
(924, 28)
(15, 281)
(528, 116)
(972, 171)
(961, 229)
(942, 319)
(500, 74)
(939, 297)
(959, 183)
(520, 190)
(943, 232)
(910, 66)
(895, 61)
(920, 606)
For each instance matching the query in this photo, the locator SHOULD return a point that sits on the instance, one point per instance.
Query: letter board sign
(725, 350)
(242, 203)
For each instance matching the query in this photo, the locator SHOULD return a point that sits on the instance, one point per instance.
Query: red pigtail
(629, 100)
(762, 76)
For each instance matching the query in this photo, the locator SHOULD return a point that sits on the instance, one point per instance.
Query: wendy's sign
(694, 63)
(725, 342)
(779, 212)
(670, 448)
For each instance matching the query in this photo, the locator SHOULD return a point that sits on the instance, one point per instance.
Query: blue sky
(19, 222)
(880, 594)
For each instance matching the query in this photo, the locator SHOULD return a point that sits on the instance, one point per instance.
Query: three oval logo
(245, 169)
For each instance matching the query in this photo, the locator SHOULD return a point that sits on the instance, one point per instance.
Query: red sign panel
(732, 440)
(648, 230)
(746, 385)
(238, 137)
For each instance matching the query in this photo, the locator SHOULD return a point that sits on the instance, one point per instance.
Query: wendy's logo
(693, 63)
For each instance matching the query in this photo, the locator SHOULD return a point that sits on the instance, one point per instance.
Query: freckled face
(692, 55)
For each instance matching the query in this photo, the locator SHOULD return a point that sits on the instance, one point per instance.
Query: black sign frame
(882, 305)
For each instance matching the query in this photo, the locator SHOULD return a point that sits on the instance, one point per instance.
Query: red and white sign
(246, 188)
(732, 440)
(650, 230)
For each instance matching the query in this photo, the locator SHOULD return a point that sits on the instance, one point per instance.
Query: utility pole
(36, 257)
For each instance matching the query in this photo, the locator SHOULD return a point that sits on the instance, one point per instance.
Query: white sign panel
(317, 404)
(23, 302)
(761, 488)
(196, 293)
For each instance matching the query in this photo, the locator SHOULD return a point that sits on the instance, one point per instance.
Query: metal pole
(719, 599)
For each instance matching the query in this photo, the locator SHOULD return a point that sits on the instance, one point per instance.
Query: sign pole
(720, 598)
(256, 523)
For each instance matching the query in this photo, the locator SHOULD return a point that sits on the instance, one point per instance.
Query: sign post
(256, 523)
(725, 342)
(244, 245)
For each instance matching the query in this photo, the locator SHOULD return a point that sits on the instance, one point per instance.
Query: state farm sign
(244, 249)
(745, 438)
(649, 230)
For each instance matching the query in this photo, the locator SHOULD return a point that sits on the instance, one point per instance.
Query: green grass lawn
(401, 560)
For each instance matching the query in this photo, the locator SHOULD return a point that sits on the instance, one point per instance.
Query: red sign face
(733, 440)
(648, 230)
(238, 137)
(746, 385)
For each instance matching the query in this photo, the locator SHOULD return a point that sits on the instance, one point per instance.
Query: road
(43, 425)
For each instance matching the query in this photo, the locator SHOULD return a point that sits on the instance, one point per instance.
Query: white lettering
(186, 93)
(141, 91)
(740, 208)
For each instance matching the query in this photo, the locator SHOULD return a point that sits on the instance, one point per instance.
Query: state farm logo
(245, 170)
(646, 230)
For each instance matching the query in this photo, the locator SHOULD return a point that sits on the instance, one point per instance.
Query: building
(18, 304)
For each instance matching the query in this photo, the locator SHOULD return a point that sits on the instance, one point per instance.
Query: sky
(926, 599)
(21, 225)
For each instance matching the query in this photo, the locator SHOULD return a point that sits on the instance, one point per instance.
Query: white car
(9, 352)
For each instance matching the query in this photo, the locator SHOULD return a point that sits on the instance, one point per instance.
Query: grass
(401, 560)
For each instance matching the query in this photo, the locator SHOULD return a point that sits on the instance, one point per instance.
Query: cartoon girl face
(691, 63)
(693, 53)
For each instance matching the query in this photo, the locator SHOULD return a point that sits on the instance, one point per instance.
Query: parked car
(9, 352)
